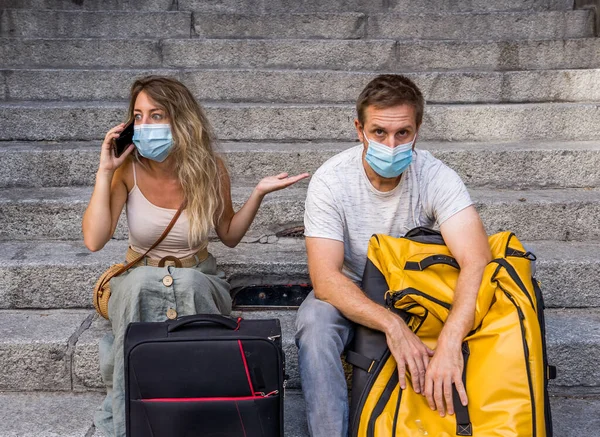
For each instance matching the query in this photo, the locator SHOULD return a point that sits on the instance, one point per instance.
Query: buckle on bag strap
(360, 361)
(170, 258)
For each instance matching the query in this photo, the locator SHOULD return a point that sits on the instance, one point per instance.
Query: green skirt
(151, 294)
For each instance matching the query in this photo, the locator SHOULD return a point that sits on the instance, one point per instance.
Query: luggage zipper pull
(274, 392)
(274, 337)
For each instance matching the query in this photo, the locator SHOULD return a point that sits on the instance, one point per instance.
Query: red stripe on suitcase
(242, 398)
(241, 420)
(246, 367)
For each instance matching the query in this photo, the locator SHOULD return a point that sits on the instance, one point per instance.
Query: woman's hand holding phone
(108, 160)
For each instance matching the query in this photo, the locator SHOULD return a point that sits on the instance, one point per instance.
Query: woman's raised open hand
(108, 160)
(278, 182)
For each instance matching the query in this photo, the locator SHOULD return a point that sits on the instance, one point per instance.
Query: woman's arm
(232, 226)
(109, 196)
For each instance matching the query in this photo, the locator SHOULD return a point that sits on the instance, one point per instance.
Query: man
(382, 186)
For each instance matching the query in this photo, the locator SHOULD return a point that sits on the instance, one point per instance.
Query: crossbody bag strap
(156, 243)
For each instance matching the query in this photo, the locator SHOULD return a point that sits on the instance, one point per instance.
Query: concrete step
(318, 122)
(34, 414)
(400, 56)
(483, 26)
(38, 348)
(522, 165)
(56, 213)
(461, 26)
(74, 84)
(91, 5)
(404, 6)
(351, 55)
(42, 265)
(101, 24)
(319, 86)
(42, 352)
(61, 274)
(555, 214)
(89, 52)
(571, 412)
(287, 86)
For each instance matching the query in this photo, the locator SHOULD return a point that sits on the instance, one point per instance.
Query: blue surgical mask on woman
(153, 141)
(388, 162)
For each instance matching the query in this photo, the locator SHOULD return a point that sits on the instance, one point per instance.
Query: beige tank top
(147, 222)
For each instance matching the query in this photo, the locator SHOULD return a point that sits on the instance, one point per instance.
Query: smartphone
(124, 140)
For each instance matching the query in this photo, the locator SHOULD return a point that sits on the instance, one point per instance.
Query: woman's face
(147, 111)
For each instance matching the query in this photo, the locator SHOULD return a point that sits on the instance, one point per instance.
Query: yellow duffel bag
(505, 371)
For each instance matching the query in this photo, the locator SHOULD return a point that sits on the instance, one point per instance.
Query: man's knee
(315, 314)
(320, 324)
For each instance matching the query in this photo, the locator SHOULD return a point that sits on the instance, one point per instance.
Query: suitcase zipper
(215, 399)
(245, 363)
(263, 395)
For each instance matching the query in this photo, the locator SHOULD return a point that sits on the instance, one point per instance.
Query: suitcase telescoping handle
(210, 318)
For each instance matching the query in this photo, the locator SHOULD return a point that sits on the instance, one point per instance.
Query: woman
(170, 163)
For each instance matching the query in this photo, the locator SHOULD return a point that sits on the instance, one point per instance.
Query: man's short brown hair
(389, 90)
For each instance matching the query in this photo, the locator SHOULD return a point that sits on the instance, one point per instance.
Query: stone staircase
(512, 87)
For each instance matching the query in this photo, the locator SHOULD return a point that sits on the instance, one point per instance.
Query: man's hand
(408, 350)
(445, 369)
(465, 236)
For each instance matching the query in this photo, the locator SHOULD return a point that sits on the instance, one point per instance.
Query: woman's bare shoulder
(124, 174)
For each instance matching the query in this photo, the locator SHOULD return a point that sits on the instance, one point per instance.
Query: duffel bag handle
(211, 318)
(430, 261)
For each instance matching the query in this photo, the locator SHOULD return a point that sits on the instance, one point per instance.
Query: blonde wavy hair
(197, 163)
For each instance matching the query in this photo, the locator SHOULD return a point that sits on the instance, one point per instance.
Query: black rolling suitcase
(204, 375)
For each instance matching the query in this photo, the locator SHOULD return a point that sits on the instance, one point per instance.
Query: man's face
(391, 126)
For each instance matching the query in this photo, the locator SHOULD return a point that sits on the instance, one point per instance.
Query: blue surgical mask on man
(388, 162)
(153, 141)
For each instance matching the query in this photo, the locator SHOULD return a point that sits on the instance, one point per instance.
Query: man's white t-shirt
(342, 205)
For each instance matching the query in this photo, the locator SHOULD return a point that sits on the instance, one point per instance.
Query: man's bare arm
(325, 260)
(466, 238)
